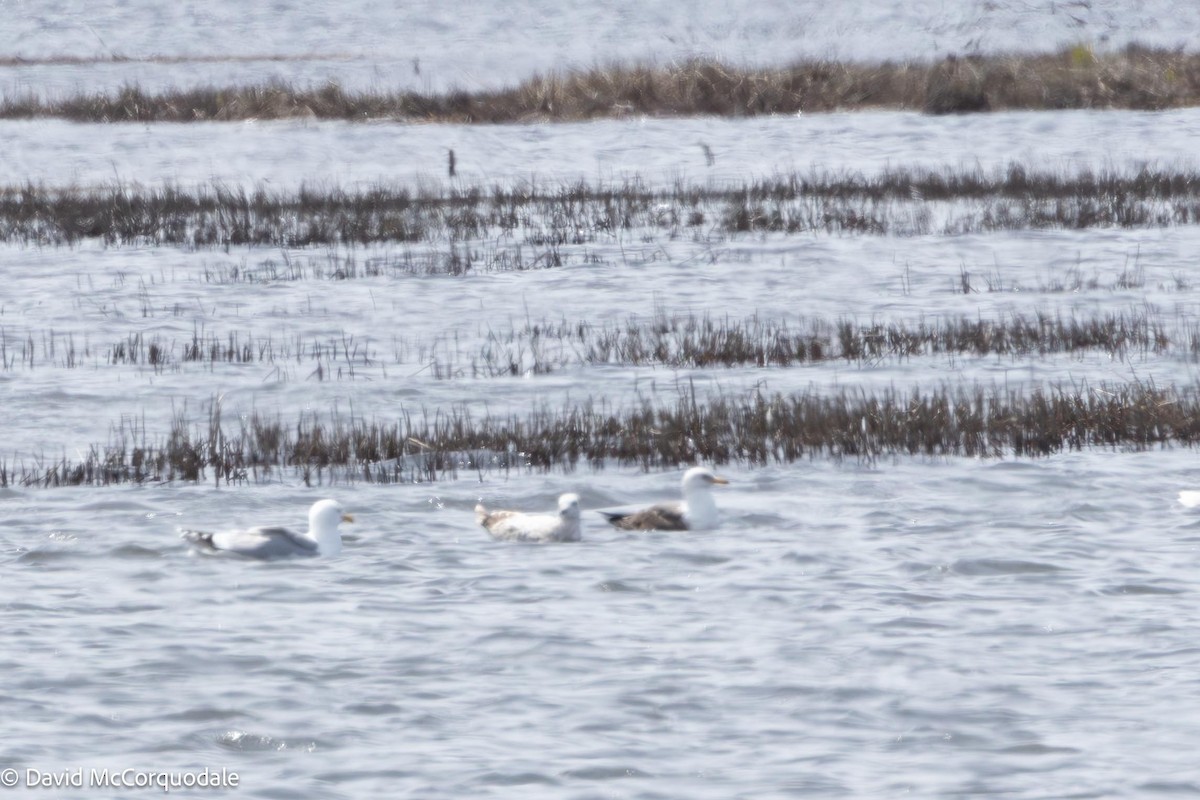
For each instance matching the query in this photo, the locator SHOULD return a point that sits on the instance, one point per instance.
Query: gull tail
(617, 518)
(198, 539)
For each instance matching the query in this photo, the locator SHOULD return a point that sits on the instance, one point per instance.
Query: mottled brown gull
(517, 526)
(697, 512)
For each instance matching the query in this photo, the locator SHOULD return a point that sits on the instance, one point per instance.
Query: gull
(697, 511)
(517, 526)
(322, 538)
(1190, 498)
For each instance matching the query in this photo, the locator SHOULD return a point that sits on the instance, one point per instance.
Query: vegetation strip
(1075, 77)
(664, 340)
(896, 201)
(752, 429)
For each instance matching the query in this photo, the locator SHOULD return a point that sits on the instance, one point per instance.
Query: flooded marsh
(919, 283)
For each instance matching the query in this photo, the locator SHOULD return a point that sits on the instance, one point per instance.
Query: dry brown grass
(1075, 77)
(751, 429)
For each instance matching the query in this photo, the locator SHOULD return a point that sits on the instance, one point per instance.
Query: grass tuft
(1074, 77)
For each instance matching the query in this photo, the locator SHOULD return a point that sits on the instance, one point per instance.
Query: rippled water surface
(933, 628)
(928, 627)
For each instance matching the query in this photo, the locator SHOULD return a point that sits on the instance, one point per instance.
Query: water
(932, 628)
(284, 155)
(929, 627)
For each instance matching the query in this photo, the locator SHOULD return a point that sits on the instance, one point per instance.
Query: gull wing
(662, 517)
(263, 543)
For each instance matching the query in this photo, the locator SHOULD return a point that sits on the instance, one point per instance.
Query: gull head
(700, 479)
(323, 520)
(568, 506)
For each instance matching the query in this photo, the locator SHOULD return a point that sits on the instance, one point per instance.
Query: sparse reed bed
(676, 341)
(752, 429)
(683, 341)
(1074, 77)
(486, 228)
(333, 356)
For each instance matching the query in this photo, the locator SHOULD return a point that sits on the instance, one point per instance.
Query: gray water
(933, 628)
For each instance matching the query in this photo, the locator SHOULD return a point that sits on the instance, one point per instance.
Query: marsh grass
(474, 228)
(1074, 77)
(681, 341)
(675, 341)
(753, 429)
(341, 356)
